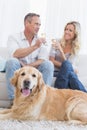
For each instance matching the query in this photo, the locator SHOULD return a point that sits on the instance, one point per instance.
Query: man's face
(33, 26)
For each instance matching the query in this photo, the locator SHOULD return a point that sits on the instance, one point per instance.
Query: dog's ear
(14, 79)
(40, 81)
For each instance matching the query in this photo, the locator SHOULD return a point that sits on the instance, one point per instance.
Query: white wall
(54, 15)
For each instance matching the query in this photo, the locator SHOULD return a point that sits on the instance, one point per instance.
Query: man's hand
(40, 41)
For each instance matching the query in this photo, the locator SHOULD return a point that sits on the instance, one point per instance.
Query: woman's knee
(67, 65)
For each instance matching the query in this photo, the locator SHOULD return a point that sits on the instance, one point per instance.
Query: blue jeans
(66, 78)
(46, 68)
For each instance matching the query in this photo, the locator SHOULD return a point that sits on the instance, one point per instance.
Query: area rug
(39, 125)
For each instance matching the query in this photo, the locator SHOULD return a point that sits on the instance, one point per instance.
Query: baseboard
(5, 103)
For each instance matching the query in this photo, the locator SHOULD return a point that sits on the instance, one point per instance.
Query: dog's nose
(26, 83)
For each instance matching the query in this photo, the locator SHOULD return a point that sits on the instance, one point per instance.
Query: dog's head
(27, 80)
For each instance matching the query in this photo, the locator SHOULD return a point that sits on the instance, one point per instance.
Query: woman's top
(57, 55)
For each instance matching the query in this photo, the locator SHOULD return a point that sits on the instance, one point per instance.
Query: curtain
(11, 16)
(62, 11)
(54, 15)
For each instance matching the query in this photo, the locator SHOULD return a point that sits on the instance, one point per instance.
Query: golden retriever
(34, 100)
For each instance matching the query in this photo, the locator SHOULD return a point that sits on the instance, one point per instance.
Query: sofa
(4, 100)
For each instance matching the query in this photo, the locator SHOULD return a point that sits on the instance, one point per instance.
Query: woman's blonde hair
(76, 40)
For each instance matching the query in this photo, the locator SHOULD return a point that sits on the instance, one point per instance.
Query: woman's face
(69, 32)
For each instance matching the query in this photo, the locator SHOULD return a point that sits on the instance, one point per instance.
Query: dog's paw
(75, 122)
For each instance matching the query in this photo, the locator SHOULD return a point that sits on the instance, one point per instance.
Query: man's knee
(13, 62)
(48, 65)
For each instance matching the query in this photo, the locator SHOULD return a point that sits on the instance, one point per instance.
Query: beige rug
(39, 125)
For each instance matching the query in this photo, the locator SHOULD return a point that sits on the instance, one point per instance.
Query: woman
(63, 54)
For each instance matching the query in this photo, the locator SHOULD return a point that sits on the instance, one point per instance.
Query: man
(26, 49)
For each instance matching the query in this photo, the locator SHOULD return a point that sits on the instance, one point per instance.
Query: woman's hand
(59, 47)
(56, 45)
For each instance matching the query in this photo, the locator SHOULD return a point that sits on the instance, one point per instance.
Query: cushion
(2, 64)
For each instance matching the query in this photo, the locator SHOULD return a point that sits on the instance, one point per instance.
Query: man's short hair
(29, 16)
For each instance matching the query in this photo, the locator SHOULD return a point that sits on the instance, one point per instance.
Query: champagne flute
(43, 35)
(55, 42)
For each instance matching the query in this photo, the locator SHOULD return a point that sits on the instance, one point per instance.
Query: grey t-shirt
(57, 55)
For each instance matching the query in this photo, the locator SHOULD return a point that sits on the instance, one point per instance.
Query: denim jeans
(66, 78)
(46, 68)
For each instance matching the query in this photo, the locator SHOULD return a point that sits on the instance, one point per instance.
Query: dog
(34, 100)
